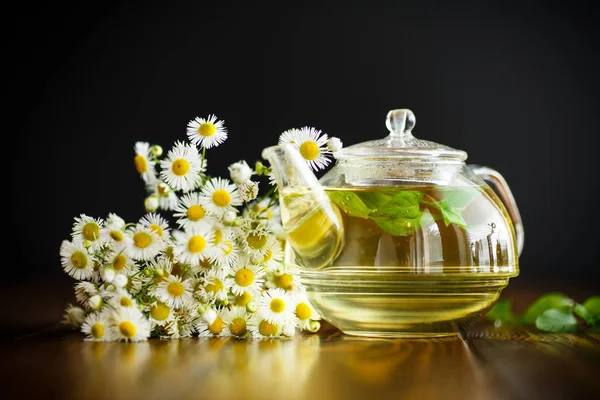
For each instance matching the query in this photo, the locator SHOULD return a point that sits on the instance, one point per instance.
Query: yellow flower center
(117, 236)
(156, 229)
(269, 214)
(244, 277)
(195, 212)
(127, 329)
(79, 259)
(97, 330)
(218, 236)
(228, 247)
(161, 188)
(221, 197)
(207, 129)
(175, 289)
(217, 326)
(119, 262)
(283, 281)
(160, 312)
(91, 231)
(256, 241)
(266, 328)
(303, 311)
(237, 327)
(244, 299)
(141, 240)
(196, 244)
(309, 150)
(126, 302)
(180, 166)
(214, 286)
(140, 164)
(277, 305)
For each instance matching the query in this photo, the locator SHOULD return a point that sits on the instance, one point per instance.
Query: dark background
(515, 85)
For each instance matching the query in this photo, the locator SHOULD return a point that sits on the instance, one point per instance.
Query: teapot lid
(400, 143)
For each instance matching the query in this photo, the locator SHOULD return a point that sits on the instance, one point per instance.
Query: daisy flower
(143, 161)
(87, 230)
(167, 198)
(74, 316)
(181, 170)
(95, 326)
(245, 278)
(160, 314)
(114, 236)
(213, 286)
(255, 240)
(273, 256)
(248, 190)
(194, 244)
(226, 254)
(206, 133)
(240, 172)
(243, 299)
(129, 324)
(220, 195)
(304, 312)
(215, 328)
(260, 327)
(157, 224)
(276, 306)
(121, 263)
(174, 292)
(76, 261)
(84, 290)
(121, 298)
(190, 211)
(145, 243)
(311, 144)
(236, 322)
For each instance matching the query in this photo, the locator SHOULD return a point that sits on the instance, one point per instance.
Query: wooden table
(484, 363)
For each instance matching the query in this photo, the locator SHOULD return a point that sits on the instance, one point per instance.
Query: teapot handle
(498, 184)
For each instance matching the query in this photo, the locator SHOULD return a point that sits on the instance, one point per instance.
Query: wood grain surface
(485, 362)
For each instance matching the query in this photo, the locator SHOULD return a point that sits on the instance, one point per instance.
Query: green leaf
(544, 303)
(452, 215)
(592, 306)
(556, 320)
(581, 312)
(397, 226)
(374, 200)
(501, 312)
(350, 203)
(401, 214)
(452, 206)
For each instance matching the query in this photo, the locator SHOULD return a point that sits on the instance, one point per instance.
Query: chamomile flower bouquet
(206, 259)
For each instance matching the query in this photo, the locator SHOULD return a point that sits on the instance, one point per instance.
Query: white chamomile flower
(219, 196)
(151, 203)
(156, 223)
(247, 297)
(76, 260)
(190, 211)
(276, 306)
(174, 292)
(129, 324)
(304, 312)
(236, 322)
(214, 328)
(226, 254)
(160, 314)
(73, 316)
(213, 286)
(334, 144)
(167, 198)
(245, 278)
(206, 133)
(254, 240)
(194, 244)
(86, 230)
(145, 243)
(260, 327)
(182, 167)
(84, 290)
(274, 255)
(178, 328)
(311, 144)
(240, 172)
(95, 326)
(114, 221)
(121, 298)
(114, 236)
(248, 190)
(284, 280)
(121, 263)
(144, 164)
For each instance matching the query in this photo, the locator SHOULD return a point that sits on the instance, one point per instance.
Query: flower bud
(156, 150)
(120, 281)
(260, 168)
(209, 316)
(314, 326)
(87, 244)
(151, 204)
(289, 330)
(229, 217)
(108, 274)
(334, 144)
(240, 172)
(251, 307)
(248, 190)
(95, 302)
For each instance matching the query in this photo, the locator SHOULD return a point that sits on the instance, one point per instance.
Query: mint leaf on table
(592, 308)
(557, 320)
(501, 312)
(546, 302)
(350, 203)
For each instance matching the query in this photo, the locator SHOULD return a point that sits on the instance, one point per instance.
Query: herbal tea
(419, 259)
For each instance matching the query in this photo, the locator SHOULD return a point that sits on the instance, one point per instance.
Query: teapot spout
(312, 223)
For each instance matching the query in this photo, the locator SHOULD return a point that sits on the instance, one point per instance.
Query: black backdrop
(514, 85)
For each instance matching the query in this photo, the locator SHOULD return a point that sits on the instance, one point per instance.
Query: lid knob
(400, 123)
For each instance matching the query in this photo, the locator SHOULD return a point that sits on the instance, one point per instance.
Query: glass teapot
(400, 238)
